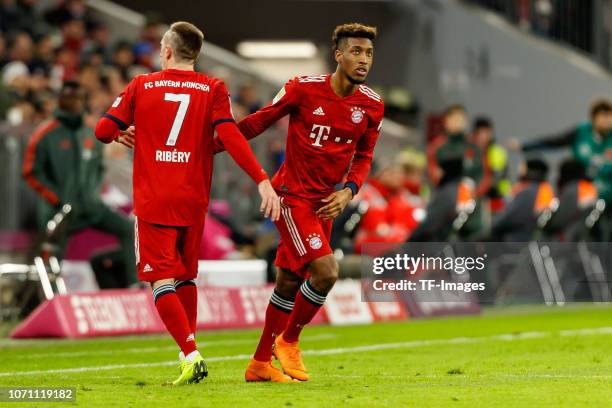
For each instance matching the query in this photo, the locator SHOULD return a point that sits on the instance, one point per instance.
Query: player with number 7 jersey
(175, 114)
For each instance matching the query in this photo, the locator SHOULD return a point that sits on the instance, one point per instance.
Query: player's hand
(126, 137)
(336, 202)
(270, 203)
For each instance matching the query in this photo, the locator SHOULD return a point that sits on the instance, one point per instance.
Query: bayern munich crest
(314, 240)
(357, 114)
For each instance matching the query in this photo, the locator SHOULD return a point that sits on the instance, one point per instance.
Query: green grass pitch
(517, 357)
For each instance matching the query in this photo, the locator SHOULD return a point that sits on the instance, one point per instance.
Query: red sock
(307, 303)
(187, 291)
(277, 315)
(173, 315)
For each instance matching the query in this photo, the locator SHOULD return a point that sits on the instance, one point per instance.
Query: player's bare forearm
(336, 202)
(270, 202)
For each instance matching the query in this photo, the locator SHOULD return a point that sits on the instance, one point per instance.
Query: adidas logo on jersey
(318, 111)
(148, 268)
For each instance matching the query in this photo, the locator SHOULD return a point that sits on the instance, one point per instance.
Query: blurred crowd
(60, 62)
(472, 196)
(40, 49)
(562, 20)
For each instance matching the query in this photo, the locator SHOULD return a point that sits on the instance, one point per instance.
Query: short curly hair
(352, 30)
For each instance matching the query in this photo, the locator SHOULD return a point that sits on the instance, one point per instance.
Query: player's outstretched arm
(285, 101)
(254, 125)
(241, 152)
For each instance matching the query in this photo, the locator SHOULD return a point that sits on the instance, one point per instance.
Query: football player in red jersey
(175, 113)
(333, 126)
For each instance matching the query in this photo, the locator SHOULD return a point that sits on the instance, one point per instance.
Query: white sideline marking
(517, 376)
(581, 332)
(202, 344)
(341, 350)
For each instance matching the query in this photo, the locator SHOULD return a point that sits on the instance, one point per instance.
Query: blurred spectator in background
(97, 48)
(21, 48)
(390, 216)
(146, 49)
(44, 54)
(523, 14)
(67, 10)
(414, 163)
(454, 143)
(63, 164)
(591, 144)
(21, 15)
(248, 98)
(74, 36)
(577, 197)
(452, 196)
(543, 17)
(495, 184)
(531, 195)
(449, 147)
(124, 59)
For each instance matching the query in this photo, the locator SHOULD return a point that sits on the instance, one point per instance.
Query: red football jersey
(328, 135)
(175, 113)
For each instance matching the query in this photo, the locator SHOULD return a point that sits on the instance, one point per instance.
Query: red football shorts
(303, 236)
(166, 252)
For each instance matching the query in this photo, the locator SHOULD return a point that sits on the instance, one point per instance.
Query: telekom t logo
(319, 132)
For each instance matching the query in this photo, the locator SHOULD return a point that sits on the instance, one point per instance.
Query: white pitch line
(582, 332)
(467, 375)
(572, 376)
(344, 350)
(204, 344)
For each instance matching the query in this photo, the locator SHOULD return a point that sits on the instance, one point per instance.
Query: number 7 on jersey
(183, 99)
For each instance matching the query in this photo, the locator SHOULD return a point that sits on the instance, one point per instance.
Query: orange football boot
(264, 371)
(290, 358)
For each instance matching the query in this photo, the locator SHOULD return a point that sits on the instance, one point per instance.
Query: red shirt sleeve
(222, 106)
(106, 130)
(285, 101)
(362, 159)
(241, 152)
(230, 137)
(122, 110)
